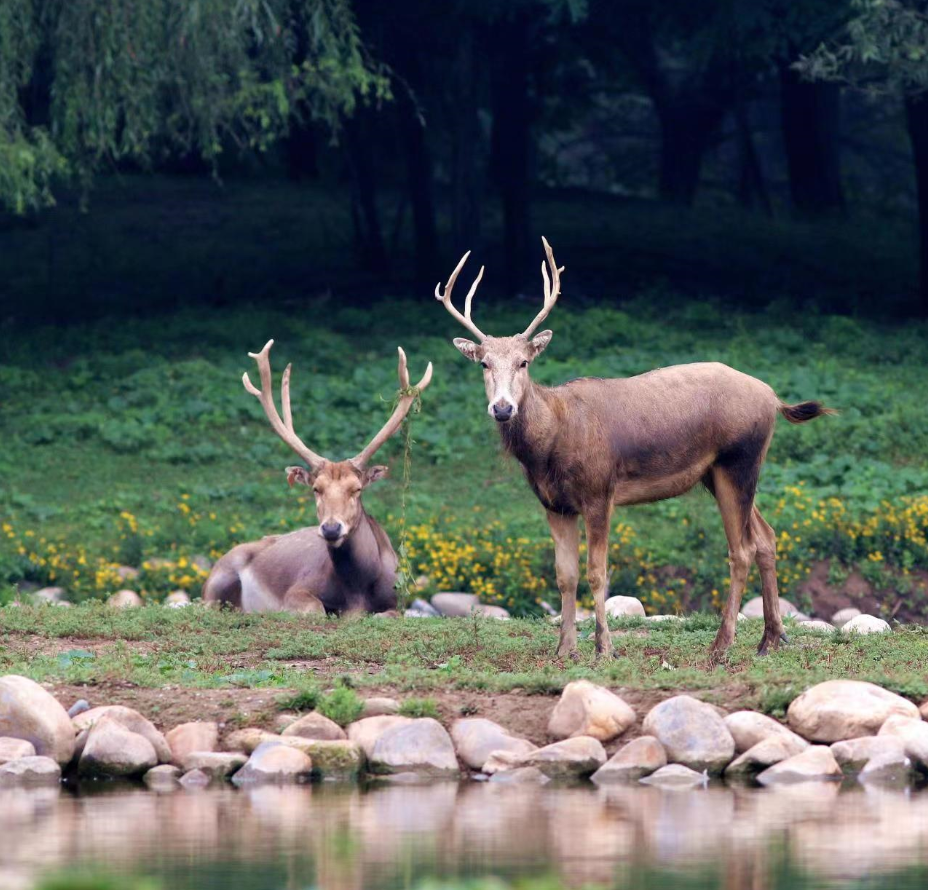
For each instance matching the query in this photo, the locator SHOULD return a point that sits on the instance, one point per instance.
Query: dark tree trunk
(364, 194)
(466, 145)
(688, 126)
(810, 119)
(916, 113)
(511, 145)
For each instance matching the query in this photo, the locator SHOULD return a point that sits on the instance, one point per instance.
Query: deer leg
(301, 599)
(766, 559)
(735, 505)
(597, 541)
(566, 533)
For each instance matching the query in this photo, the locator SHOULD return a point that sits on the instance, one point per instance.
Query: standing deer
(346, 563)
(592, 444)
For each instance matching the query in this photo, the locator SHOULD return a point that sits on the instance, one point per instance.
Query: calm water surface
(451, 835)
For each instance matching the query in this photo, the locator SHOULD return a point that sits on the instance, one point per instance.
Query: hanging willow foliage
(87, 83)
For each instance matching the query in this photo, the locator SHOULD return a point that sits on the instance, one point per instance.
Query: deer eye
(485, 366)
(524, 364)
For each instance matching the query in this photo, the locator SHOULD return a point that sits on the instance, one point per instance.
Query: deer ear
(299, 474)
(372, 474)
(540, 341)
(467, 348)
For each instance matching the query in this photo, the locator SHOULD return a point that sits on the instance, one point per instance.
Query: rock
(658, 619)
(315, 726)
(50, 595)
(624, 606)
(820, 626)
(246, 740)
(475, 739)
(196, 778)
(215, 764)
(523, 775)
(424, 608)
(499, 761)
(30, 771)
(177, 599)
(274, 764)
(866, 624)
(79, 707)
(332, 759)
(675, 776)
(692, 733)
(420, 746)
(890, 768)
(112, 751)
(854, 754)
(571, 758)
(754, 608)
(637, 759)
(124, 599)
(365, 732)
(816, 763)
(379, 707)
(127, 573)
(160, 778)
(15, 749)
(415, 613)
(586, 709)
(845, 709)
(203, 563)
(913, 733)
(29, 712)
(454, 605)
(748, 728)
(131, 720)
(757, 758)
(186, 738)
(491, 611)
(842, 616)
(282, 721)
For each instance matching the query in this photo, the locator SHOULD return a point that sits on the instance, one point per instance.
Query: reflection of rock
(523, 775)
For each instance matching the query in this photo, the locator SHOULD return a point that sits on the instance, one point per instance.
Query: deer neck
(357, 560)
(530, 434)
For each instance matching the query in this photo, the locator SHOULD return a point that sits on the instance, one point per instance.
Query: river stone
(676, 776)
(912, 733)
(420, 746)
(246, 740)
(366, 731)
(186, 738)
(757, 758)
(131, 720)
(754, 608)
(274, 764)
(475, 739)
(79, 707)
(379, 707)
(499, 761)
(29, 712)
(816, 625)
(639, 758)
(523, 775)
(854, 754)
(315, 726)
(816, 763)
(163, 777)
(333, 759)
(454, 605)
(491, 611)
(749, 727)
(658, 619)
(30, 771)
(842, 616)
(586, 709)
(14, 749)
(692, 733)
(624, 607)
(889, 768)
(845, 709)
(574, 757)
(215, 764)
(867, 624)
(112, 751)
(195, 779)
(125, 599)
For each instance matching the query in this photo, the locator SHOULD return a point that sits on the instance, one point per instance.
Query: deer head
(505, 360)
(337, 485)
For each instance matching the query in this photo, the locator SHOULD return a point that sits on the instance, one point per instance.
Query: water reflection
(343, 838)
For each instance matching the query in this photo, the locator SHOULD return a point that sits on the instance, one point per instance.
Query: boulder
(624, 607)
(29, 712)
(749, 727)
(842, 616)
(866, 624)
(79, 707)
(912, 733)
(30, 771)
(217, 765)
(586, 709)
(315, 726)
(854, 754)
(163, 777)
(420, 746)
(423, 608)
(284, 719)
(818, 626)
(692, 733)
(186, 738)
(15, 749)
(131, 720)
(754, 608)
(196, 778)
(756, 759)
(125, 599)
(890, 768)
(366, 731)
(845, 709)
(475, 739)
(112, 751)
(658, 619)
(274, 764)
(50, 595)
(675, 776)
(633, 761)
(491, 611)
(332, 759)
(500, 761)
(816, 763)
(523, 775)
(177, 599)
(380, 707)
(454, 605)
(571, 758)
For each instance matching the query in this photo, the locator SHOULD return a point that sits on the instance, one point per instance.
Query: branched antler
(445, 298)
(552, 289)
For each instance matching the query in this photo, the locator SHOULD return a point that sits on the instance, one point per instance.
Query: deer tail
(804, 411)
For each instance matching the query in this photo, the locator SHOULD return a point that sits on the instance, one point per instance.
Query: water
(473, 835)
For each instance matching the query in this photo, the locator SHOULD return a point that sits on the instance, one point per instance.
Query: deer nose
(502, 411)
(331, 531)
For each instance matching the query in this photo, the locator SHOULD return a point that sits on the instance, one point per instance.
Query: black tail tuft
(804, 411)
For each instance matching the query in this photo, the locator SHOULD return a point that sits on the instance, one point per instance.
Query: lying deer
(346, 563)
(592, 444)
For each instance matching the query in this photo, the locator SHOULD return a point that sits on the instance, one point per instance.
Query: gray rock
(30, 771)
(274, 764)
(889, 768)
(15, 749)
(50, 595)
(676, 777)
(842, 616)
(754, 608)
(490, 611)
(639, 758)
(854, 754)
(866, 624)
(131, 720)
(624, 606)
(125, 599)
(500, 761)
(571, 758)
(818, 626)
(332, 759)
(421, 746)
(380, 707)
(454, 605)
(366, 731)
(523, 775)
(586, 709)
(815, 764)
(195, 779)
(758, 758)
(163, 777)
(749, 727)
(79, 707)
(218, 765)
(315, 726)
(424, 608)
(112, 751)
(475, 739)
(29, 712)
(912, 733)
(692, 733)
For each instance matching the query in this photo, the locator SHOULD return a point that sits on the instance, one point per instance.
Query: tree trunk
(466, 145)
(364, 194)
(916, 113)
(688, 125)
(810, 118)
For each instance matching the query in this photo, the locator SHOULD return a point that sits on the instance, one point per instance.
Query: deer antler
(408, 395)
(464, 319)
(552, 289)
(283, 428)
